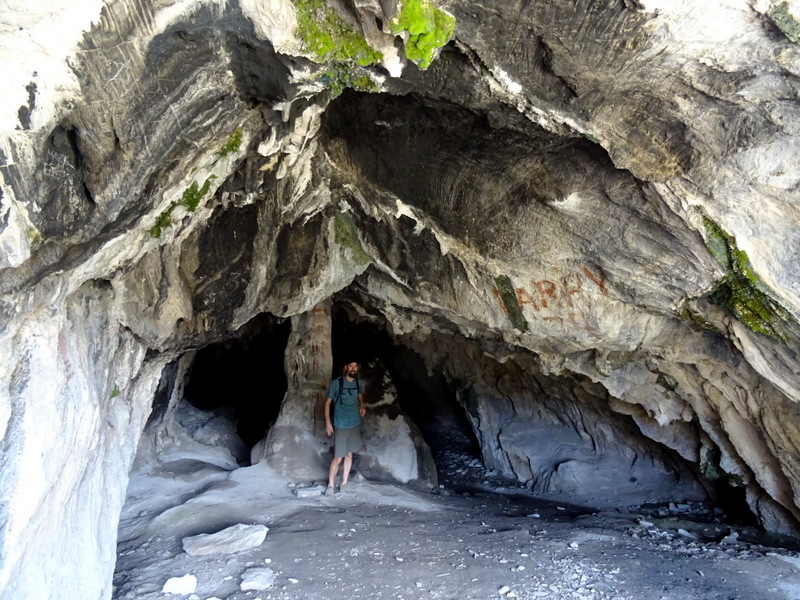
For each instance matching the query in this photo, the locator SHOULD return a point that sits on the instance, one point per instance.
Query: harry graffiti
(553, 297)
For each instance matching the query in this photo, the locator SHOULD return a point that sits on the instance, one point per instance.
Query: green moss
(346, 235)
(748, 304)
(193, 194)
(190, 199)
(233, 144)
(162, 222)
(327, 37)
(509, 298)
(429, 29)
(786, 21)
(738, 292)
(340, 76)
(115, 392)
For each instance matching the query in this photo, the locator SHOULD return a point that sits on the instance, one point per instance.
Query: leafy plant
(429, 29)
(233, 143)
(193, 194)
(327, 37)
(340, 76)
(162, 222)
(190, 200)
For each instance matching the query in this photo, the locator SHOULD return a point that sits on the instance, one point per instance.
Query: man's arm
(328, 424)
(362, 405)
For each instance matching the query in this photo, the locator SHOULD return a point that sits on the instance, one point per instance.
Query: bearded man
(345, 394)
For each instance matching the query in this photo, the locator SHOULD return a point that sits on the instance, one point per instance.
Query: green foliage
(193, 194)
(723, 247)
(429, 29)
(162, 222)
(346, 235)
(509, 297)
(233, 143)
(786, 21)
(327, 37)
(340, 76)
(190, 200)
(748, 304)
(738, 291)
(115, 392)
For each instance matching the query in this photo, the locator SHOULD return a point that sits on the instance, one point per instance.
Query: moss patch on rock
(738, 292)
(190, 199)
(346, 235)
(327, 37)
(341, 76)
(429, 29)
(193, 194)
(233, 144)
(782, 16)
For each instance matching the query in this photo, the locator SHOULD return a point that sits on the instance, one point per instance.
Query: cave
(244, 374)
(560, 237)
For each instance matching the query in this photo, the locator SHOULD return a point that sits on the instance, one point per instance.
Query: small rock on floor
(257, 579)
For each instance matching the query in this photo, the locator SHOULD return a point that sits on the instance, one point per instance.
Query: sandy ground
(385, 541)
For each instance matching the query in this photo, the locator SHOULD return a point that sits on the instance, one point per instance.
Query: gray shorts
(346, 440)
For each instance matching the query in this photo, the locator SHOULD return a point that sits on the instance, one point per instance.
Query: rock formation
(582, 214)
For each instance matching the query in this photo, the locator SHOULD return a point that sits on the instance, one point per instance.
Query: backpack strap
(339, 392)
(341, 389)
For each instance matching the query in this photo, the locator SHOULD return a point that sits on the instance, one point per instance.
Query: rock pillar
(297, 445)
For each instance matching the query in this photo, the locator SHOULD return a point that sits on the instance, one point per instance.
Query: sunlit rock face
(583, 215)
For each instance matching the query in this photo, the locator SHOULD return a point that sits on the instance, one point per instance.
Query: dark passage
(245, 374)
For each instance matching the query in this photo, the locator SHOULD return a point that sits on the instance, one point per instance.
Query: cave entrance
(428, 400)
(245, 374)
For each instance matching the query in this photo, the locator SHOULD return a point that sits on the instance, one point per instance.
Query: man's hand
(329, 429)
(362, 410)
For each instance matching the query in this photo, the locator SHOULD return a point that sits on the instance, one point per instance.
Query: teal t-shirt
(345, 410)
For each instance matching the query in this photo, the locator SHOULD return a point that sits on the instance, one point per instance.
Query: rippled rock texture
(582, 214)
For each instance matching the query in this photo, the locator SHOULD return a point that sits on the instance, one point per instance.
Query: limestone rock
(394, 449)
(257, 579)
(180, 585)
(228, 541)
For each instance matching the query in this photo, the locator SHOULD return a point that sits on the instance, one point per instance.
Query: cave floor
(385, 541)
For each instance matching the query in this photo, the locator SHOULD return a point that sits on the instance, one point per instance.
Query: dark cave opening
(245, 374)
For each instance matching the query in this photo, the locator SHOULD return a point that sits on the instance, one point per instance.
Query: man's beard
(351, 373)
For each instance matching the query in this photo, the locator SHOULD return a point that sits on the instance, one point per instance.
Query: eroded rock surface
(584, 215)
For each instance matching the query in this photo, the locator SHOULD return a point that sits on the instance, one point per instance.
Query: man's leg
(348, 462)
(334, 469)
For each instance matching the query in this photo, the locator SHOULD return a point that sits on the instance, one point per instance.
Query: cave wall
(604, 191)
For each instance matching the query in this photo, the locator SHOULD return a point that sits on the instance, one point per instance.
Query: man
(348, 400)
